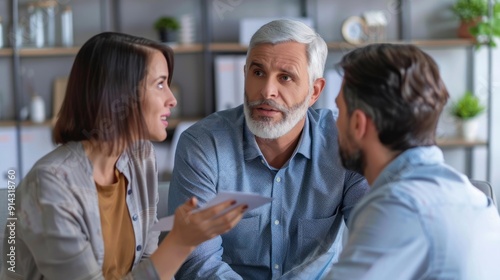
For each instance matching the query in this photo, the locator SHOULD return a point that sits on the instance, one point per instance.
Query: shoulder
(58, 177)
(323, 117)
(68, 157)
(323, 130)
(322, 120)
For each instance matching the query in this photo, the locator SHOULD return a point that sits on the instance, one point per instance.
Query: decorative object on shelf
(37, 109)
(376, 23)
(354, 30)
(488, 29)
(474, 21)
(38, 24)
(67, 27)
(167, 27)
(48, 10)
(187, 30)
(466, 110)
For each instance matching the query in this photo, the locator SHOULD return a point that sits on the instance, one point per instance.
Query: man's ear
(318, 86)
(358, 124)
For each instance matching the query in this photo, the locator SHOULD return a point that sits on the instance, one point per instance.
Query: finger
(212, 211)
(228, 220)
(193, 201)
(190, 204)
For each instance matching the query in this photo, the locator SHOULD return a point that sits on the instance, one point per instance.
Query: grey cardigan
(58, 228)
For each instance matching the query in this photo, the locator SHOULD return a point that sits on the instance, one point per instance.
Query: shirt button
(278, 179)
(276, 222)
(262, 161)
(129, 191)
(139, 247)
(134, 218)
(276, 266)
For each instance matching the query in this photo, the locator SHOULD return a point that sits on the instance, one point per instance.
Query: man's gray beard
(265, 128)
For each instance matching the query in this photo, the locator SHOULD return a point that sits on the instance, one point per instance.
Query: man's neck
(377, 158)
(278, 151)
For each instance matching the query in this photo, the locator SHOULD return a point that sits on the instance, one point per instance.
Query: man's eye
(258, 73)
(286, 78)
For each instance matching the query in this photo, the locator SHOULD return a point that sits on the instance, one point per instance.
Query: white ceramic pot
(469, 129)
(37, 109)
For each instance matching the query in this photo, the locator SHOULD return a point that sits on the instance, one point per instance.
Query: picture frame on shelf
(354, 30)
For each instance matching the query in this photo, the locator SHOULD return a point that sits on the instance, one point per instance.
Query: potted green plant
(166, 27)
(475, 23)
(487, 30)
(470, 13)
(466, 109)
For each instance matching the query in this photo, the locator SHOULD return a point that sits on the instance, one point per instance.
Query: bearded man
(275, 145)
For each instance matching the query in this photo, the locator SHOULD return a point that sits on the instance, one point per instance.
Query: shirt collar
(406, 162)
(252, 151)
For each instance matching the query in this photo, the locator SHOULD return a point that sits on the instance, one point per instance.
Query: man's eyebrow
(260, 65)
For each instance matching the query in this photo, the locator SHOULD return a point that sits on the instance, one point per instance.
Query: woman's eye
(160, 85)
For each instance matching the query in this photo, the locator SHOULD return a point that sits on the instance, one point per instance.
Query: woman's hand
(191, 229)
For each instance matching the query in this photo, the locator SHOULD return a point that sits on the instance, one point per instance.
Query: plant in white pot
(466, 110)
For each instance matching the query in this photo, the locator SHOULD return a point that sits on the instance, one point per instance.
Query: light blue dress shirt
(422, 220)
(312, 193)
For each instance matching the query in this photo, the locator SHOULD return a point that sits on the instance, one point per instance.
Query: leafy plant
(167, 23)
(470, 9)
(488, 29)
(467, 107)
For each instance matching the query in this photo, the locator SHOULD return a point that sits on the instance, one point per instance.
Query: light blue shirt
(312, 193)
(422, 220)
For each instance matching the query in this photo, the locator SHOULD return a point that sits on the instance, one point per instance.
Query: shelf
(442, 43)
(184, 49)
(236, 47)
(41, 52)
(227, 47)
(6, 52)
(25, 123)
(459, 143)
(7, 123)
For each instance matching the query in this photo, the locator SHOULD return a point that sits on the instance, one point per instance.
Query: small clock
(354, 30)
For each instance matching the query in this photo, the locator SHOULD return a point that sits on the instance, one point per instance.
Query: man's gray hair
(286, 30)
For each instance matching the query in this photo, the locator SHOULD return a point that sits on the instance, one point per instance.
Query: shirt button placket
(277, 230)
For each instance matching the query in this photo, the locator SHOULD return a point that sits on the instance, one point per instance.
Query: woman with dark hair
(85, 210)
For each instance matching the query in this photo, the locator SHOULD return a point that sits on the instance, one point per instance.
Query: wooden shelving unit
(185, 49)
(227, 47)
(6, 52)
(460, 143)
(7, 123)
(332, 46)
(442, 43)
(35, 52)
(233, 47)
